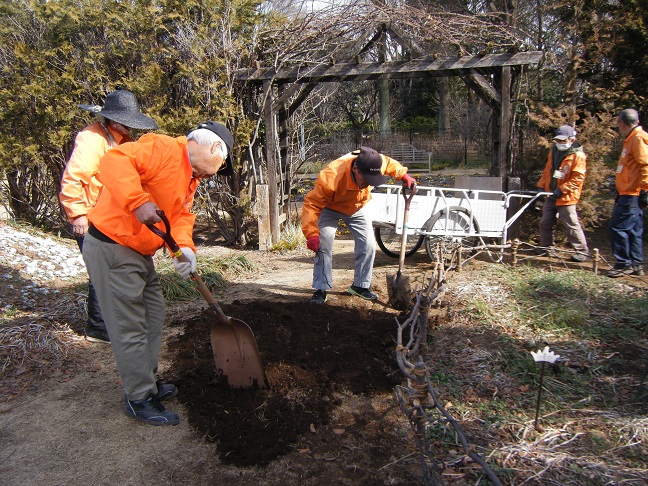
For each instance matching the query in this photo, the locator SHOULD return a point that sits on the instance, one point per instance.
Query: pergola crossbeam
(446, 66)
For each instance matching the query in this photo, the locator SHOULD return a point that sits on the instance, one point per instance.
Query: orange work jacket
(572, 171)
(79, 185)
(632, 169)
(335, 189)
(156, 168)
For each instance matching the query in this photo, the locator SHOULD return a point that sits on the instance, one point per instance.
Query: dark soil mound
(313, 356)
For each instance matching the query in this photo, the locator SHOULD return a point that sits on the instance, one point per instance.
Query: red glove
(313, 243)
(408, 181)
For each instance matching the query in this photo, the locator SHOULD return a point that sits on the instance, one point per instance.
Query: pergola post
(271, 160)
(505, 125)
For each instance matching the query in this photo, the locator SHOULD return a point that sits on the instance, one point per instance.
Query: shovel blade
(399, 290)
(236, 355)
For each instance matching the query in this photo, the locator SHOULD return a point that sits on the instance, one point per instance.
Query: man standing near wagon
(563, 176)
(626, 223)
(341, 191)
(139, 178)
(80, 186)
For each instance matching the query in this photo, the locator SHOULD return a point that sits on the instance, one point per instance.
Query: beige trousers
(132, 305)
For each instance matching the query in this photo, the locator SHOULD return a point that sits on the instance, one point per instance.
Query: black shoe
(95, 335)
(621, 272)
(579, 257)
(151, 411)
(319, 297)
(362, 292)
(549, 252)
(165, 391)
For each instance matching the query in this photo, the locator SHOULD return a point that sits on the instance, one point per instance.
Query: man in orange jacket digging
(563, 177)
(155, 173)
(341, 191)
(80, 186)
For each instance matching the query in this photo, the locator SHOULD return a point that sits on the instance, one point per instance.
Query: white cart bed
(466, 217)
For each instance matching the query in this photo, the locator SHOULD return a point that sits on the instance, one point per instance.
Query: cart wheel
(458, 221)
(390, 242)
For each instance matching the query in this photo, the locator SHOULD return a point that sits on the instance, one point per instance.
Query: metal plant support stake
(542, 356)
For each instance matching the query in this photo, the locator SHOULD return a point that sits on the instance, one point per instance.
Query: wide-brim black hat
(221, 130)
(121, 106)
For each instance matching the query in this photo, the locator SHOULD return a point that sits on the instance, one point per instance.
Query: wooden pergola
(490, 76)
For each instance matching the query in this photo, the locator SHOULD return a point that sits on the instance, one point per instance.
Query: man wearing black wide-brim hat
(80, 187)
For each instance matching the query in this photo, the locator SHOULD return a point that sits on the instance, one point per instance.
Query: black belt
(99, 235)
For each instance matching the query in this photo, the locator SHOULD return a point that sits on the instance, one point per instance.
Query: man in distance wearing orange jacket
(626, 222)
(155, 173)
(80, 186)
(563, 177)
(341, 191)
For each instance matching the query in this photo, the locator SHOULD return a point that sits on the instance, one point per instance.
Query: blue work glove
(643, 199)
(556, 194)
(313, 243)
(408, 181)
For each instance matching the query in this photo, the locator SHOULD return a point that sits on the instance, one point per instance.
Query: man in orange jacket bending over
(341, 192)
(156, 172)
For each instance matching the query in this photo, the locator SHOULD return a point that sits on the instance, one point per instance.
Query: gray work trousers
(364, 250)
(132, 305)
(569, 218)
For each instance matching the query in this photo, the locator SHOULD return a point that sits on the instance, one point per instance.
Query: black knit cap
(369, 163)
(121, 106)
(221, 130)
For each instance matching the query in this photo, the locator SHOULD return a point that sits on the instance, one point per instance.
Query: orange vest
(632, 169)
(156, 168)
(335, 189)
(79, 185)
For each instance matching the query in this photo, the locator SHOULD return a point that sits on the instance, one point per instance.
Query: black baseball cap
(369, 163)
(221, 130)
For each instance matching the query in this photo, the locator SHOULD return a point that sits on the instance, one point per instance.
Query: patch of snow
(37, 257)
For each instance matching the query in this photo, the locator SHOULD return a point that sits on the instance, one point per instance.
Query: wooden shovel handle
(408, 200)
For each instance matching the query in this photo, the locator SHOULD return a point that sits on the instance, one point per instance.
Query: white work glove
(185, 269)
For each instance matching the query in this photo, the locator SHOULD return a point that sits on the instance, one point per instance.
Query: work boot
(319, 297)
(151, 411)
(579, 257)
(165, 391)
(548, 252)
(95, 335)
(623, 271)
(366, 294)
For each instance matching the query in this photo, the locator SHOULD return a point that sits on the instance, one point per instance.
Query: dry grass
(593, 425)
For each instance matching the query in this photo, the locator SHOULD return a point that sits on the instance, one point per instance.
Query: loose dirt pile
(313, 357)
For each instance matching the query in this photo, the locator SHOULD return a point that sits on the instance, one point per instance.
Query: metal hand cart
(447, 216)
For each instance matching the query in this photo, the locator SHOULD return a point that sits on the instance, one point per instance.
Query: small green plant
(213, 272)
(291, 238)
(311, 167)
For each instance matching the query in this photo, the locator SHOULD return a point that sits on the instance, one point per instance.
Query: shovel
(399, 288)
(235, 350)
